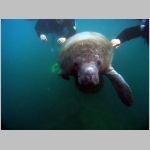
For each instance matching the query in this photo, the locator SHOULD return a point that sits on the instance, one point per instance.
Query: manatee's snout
(88, 76)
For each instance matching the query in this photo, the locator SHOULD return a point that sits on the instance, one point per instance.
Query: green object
(55, 68)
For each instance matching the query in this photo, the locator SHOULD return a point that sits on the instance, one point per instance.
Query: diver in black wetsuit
(133, 32)
(62, 27)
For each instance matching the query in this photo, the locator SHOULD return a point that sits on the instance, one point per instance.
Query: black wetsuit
(44, 26)
(134, 32)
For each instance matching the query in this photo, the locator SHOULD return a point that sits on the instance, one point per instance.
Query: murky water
(35, 97)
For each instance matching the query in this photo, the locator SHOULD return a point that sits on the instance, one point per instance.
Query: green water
(35, 98)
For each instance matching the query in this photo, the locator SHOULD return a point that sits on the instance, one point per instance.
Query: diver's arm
(126, 35)
(130, 33)
(71, 28)
(71, 31)
(39, 26)
(63, 39)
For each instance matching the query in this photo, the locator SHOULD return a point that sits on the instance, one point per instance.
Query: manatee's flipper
(120, 85)
(63, 75)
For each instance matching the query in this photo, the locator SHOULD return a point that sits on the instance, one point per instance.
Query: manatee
(87, 56)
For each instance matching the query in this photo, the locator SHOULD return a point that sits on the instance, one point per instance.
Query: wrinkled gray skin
(87, 56)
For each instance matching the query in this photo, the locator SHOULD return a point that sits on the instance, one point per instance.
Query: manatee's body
(87, 56)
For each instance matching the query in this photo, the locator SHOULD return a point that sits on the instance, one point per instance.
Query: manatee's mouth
(88, 80)
(88, 77)
(90, 88)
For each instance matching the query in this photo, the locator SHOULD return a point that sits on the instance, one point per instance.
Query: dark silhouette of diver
(133, 32)
(61, 27)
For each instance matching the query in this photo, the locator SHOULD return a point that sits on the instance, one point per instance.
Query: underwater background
(34, 97)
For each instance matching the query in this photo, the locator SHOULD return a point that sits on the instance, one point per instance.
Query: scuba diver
(61, 27)
(133, 32)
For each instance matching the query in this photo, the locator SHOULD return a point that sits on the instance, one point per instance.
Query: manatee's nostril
(88, 76)
(93, 76)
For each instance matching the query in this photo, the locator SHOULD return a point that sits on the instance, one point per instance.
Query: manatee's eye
(76, 64)
(98, 62)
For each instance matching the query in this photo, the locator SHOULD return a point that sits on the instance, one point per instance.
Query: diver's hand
(43, 38)
(115, 42)
(61, 40)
